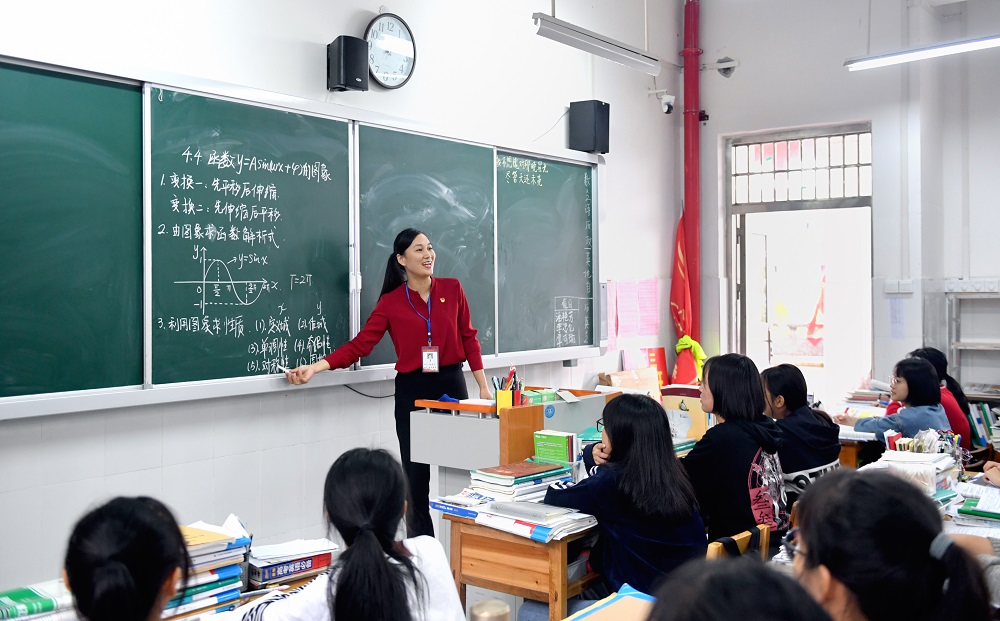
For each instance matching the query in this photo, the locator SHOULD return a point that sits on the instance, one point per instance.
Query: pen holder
(508, 398)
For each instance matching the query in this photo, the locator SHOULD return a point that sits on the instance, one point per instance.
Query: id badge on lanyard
(429, 355)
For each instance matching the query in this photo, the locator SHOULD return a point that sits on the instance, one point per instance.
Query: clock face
(391, 51)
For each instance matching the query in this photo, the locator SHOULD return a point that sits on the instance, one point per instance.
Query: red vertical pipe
(692, 161)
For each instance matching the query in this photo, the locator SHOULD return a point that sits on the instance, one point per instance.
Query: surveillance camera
(667, 103)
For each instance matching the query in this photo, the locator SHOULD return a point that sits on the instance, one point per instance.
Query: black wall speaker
(588, 126)
(347, 64)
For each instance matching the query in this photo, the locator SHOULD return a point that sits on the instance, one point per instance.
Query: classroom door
(803, 281)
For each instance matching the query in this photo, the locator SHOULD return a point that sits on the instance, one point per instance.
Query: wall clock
(392, 53)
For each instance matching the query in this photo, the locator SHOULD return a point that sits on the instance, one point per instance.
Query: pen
(280, 587)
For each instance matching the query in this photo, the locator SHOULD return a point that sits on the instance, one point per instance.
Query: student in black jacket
(810, 444)
(645, 507)
(734, 468)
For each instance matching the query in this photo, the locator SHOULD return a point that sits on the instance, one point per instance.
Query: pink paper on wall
(612, 315)
(648, 293)
(628, 309)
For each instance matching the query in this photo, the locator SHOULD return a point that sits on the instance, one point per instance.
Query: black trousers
(410, 387)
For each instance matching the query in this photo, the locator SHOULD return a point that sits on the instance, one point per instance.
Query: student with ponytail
(125, 560)
(376, 577)
(810, 444)
(429, 323)
(869, 546)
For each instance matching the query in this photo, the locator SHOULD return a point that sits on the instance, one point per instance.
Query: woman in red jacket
(429, 323)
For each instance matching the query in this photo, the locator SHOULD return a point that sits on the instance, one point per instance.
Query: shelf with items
(974, 343)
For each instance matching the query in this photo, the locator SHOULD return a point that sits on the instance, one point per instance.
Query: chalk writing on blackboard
(249, 221)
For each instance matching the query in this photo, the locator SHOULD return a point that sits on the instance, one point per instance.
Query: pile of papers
(293, 560)
(536, 521)
(929, 471)
(216, 578)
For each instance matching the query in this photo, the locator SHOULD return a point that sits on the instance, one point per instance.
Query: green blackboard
(443, 188)
(545, 253)
(71, 238)
(250, 238)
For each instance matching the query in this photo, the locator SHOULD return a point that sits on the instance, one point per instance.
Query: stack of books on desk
(216, 579)
(523, 481)
(536, 521)
(45, 601)
(928, 471)
(293, 560)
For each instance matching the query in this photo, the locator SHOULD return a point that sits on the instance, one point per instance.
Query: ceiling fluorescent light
(596, 44)
(933, 51)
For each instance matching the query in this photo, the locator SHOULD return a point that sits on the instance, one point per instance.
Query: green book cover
(554, 446)
(970, 508)
(34, 599)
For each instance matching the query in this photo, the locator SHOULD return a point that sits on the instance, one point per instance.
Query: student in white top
(376, 577)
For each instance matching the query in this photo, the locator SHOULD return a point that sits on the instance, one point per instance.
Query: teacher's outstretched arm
(301, 375)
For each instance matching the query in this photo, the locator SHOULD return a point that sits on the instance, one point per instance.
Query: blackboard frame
(149, 394)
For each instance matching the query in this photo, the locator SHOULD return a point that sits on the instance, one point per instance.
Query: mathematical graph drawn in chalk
(217, 286)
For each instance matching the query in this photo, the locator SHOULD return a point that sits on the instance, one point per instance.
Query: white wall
(934, 133)
(481, 74)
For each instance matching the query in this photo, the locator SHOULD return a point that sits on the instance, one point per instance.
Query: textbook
(287, 569)
(561, 527)
(456, 510)
(970, 507)
(34, 599)
(536, 512)
(555, 446)
(517, 472)
(213, 575)
(205, 590)
(226, 596)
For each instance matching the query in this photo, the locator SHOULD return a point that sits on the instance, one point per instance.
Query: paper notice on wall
(628, 309)
(897, 323)
(648, 292)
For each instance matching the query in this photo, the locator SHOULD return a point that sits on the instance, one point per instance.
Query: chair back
(716, 549)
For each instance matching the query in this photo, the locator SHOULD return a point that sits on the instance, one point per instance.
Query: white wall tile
(236, 426)
(282, 420)
(357, 416)
(72, 447)
(21, 538)
(317, 459)
(188, 432)
(133, 440)
(20, 454)
(136, 483)
(281, 483)
(62, 506)
(187, 490)
(236, 488)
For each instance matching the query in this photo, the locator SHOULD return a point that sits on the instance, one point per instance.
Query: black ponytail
(879, 534)
(119, 557)
(395, 275)
(940, 363)
(364, 497)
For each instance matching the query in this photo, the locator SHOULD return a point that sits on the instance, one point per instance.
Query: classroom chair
(717, 550)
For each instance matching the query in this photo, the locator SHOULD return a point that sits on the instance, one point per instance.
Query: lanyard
(428, 317)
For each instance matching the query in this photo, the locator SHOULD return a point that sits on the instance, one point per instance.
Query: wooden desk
(492, 559)
(849, 453)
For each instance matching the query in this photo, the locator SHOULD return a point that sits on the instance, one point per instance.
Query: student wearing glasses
(953, 399)
(647, 515)
(869, 547)
(915, 384)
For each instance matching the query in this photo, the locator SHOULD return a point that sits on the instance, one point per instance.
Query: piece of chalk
(283, 369)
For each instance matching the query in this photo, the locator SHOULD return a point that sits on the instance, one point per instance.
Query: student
(125, 560)
(953, 399)
(810, 445)
(429, 323)
(915, 384)
(734, 468)
(376, 577)
(646, 511)
(733, 589)
(869, 547)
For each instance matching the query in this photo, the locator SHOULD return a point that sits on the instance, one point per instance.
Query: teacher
(429, 324)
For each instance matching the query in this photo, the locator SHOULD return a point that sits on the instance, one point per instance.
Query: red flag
(685, 370)
(814, 333)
